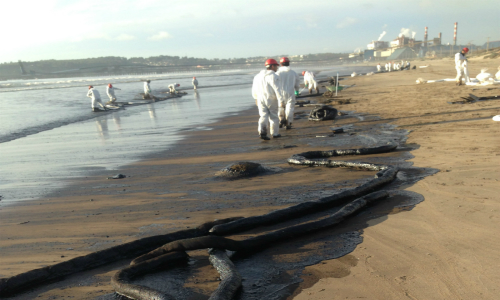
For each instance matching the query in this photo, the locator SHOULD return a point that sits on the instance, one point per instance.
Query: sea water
(49, 136)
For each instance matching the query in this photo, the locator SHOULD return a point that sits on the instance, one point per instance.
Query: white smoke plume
(381, 35)
(405, 32)
(413, 33)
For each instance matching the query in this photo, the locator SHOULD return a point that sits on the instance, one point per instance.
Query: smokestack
(425, 38)
(455, 35)
(440, 42)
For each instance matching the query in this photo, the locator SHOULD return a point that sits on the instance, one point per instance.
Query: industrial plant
(405, 47)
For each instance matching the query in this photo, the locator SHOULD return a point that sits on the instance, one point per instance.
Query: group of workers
(274, 90)
(97, 104)
(96, 97)
(171, 88)
(394, 66)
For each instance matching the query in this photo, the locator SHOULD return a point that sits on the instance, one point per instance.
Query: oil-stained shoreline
(378, 233)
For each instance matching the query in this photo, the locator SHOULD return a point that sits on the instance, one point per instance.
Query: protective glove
(297, 93)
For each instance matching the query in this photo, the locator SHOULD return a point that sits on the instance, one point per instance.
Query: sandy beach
(441, 248)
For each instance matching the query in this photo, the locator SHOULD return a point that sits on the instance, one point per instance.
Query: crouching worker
(267, 95)
(310, 81)
(111, 94)
(289, 84)
(96, 99)
(171, 88)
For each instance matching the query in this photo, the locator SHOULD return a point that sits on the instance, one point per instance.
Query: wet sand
(447, 246)
(444, 248)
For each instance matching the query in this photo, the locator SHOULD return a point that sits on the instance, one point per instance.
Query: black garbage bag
(323, 113)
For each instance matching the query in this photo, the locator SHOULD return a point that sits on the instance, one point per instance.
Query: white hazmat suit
(310, 81)
(379, 68)
(195, 83)
(267, 94)
(111, 94)
(461, 67)
(96, 99)
(171, 88)
(147, 91)
(289, 82)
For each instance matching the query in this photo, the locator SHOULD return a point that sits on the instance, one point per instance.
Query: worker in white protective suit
(268, 95)
(171, 88)
(386, 67)
(96, 99)
(390, 66)
(379, 68)
(110, 90)
(461, 65)
(195, 83)
(310, 81)
(147, 91)
(289, 83)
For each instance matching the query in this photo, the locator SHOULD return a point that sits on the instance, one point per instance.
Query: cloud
(125, 37)
(162, 35)
(347, 22)
(92, 36)
(310, 21)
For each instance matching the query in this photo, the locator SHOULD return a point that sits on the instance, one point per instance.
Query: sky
(70, 29)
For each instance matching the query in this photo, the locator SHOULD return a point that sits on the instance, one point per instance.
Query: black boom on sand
(143, 263)
(31, 278)
(175, 244)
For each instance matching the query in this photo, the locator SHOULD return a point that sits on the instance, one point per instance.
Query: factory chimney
(425, 38)
(455, 35)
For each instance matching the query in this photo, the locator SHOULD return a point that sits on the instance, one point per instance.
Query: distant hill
(121, 65)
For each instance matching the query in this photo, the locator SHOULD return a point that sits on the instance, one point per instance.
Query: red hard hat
(466, 49)
(110, 85)
(194, 77)
(177, 84)
(303, 73)
(284, 60)
(271, 62)
(90, 87)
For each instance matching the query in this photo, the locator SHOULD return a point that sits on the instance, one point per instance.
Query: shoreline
(239, 132)
(98, 224)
